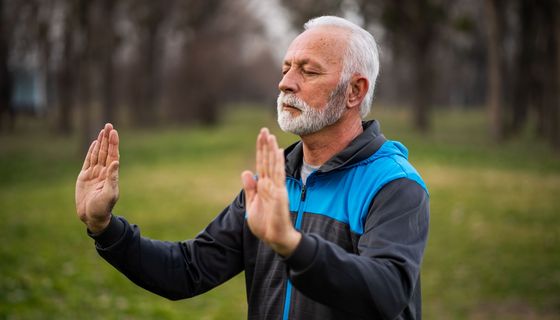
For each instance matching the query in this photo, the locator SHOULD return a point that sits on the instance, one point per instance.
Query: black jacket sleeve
(380, 280)
(177, 270)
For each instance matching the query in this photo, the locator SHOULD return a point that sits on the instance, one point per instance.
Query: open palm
(266, 203)
(268, 209)
(97, 188)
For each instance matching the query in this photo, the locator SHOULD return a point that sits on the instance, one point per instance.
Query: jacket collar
(361, 148)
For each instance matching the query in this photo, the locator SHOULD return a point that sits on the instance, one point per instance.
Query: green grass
(492, 251)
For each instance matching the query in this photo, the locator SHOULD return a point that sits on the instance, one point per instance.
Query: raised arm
(267, 198)
(97, 187)
(174, 270)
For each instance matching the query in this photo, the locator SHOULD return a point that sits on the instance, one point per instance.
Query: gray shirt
(306, 170)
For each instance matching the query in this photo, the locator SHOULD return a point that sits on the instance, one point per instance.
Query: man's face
(311, 96)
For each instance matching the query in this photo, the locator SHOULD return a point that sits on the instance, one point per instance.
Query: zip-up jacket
(363, 216)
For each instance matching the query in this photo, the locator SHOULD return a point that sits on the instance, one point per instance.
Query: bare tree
(215, 33)
(532, 65)
(5, 77)
(66, 77)
(83, 71)
(495, 67)
(108, 44)
(148, 17)
(413, 32)
(550, 115)
(556, 39)
(523, 77)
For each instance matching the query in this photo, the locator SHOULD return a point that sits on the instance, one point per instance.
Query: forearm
(174, 270)
(365, 286)
(153, 265)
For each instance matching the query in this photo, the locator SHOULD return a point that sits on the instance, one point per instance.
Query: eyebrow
(303, 62)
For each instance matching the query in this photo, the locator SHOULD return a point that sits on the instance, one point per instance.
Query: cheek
(318, 96)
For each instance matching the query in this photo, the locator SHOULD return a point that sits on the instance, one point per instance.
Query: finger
(249, 186)
(259, 156)
(103, 151)
(95, 154)
(112, 179)
(265, 157)
(113, 153)
(88, 155)
(272, 147)
(279, 170)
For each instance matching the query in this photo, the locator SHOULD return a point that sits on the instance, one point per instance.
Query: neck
(322, 145)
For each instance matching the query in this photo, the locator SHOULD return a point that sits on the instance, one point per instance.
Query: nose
(289, 82)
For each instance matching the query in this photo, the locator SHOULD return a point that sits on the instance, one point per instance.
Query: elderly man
(334, 227)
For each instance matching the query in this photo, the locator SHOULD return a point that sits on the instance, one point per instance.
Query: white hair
(361, 54)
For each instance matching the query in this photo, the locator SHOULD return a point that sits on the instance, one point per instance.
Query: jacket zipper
(297, 225)
(303, 193)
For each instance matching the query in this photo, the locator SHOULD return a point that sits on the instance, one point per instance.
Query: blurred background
(471, 87)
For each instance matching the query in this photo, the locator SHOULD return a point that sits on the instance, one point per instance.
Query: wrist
(97, 227)
(289, 245)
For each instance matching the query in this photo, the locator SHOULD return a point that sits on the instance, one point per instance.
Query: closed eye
(310, 72)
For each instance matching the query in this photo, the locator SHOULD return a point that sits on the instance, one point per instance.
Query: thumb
(113, 175)
(249, 186)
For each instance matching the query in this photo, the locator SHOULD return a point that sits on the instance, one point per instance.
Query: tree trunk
(551, 98)
(66, 85)
(495, 68)
(523, 78)
(208, 111)
(556, 39)
(148, 87)
(423, 84)
(68, 75)
(44, 51)
(414, 28)
(109, 111)
(6, 82)
(83, 72)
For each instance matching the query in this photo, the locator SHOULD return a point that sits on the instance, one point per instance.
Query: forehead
(324, 45)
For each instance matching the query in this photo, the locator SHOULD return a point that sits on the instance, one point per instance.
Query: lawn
(492, 252)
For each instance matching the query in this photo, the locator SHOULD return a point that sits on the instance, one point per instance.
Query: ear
(358, 88)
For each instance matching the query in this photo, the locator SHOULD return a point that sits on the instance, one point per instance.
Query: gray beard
(311, 120)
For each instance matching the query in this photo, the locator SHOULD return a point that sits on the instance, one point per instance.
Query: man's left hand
(266, 198)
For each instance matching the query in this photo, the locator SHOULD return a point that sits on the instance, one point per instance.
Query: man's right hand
(97, 187)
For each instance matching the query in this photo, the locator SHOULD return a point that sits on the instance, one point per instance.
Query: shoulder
(390, 163)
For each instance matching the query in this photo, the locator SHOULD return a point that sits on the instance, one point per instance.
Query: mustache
(292, 100)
